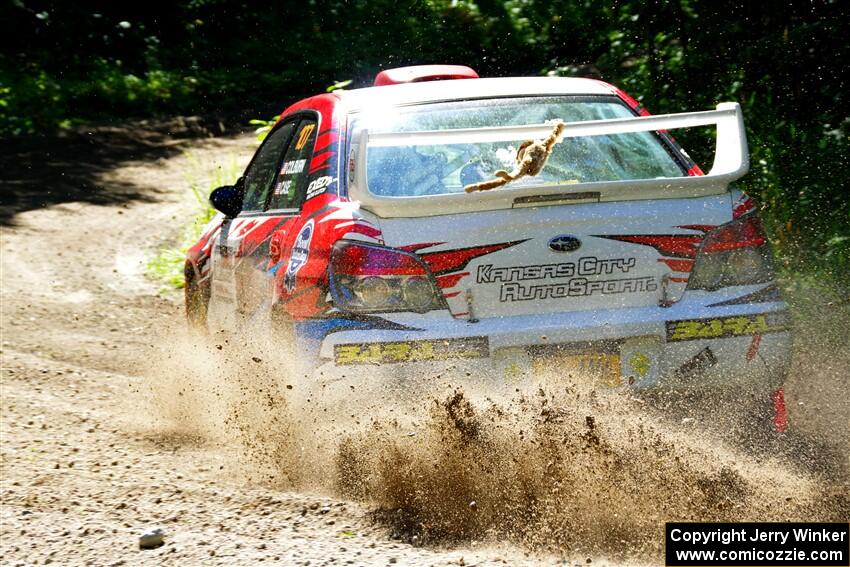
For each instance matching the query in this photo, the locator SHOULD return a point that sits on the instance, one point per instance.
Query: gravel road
(91, 457)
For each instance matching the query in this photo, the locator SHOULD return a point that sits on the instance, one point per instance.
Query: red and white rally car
(351, 229)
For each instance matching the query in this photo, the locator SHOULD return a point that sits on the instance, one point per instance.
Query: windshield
(429, 169)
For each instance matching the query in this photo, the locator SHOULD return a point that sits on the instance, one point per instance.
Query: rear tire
(760, 424)
(282, 328)
(741, 418)
(197, 297)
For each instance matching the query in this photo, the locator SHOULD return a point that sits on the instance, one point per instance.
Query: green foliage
(783, 66)
(166, 265)
(263, 127)
(66, 63)
(339, 85)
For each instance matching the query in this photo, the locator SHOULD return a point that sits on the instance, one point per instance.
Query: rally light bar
(731, 162)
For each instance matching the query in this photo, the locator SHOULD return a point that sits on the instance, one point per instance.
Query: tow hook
(665, 300)
(470, 317)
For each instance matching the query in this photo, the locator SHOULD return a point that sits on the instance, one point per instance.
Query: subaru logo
(565, 243)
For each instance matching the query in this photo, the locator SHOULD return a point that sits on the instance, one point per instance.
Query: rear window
(407, 171)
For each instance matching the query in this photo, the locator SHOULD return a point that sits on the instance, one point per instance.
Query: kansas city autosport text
(577, 286)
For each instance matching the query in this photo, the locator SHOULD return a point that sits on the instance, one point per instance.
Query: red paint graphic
(450, 280)
(754, 347)
(780, 412)
(445, 264)
(678, 250)
(420, 246)
(675, 245)
(743, 205)
(678, 265)
(453, 260)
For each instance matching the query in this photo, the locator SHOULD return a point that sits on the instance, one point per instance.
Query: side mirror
(227, 199)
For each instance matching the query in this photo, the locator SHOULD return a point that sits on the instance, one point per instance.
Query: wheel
(282, 329)
(197, 297)
(760, 425)
(752, 420)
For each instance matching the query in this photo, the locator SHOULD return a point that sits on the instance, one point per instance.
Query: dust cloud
(562, 468)
(567, 469)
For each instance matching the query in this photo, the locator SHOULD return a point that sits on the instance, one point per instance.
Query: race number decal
(304, 135)
(300, 253)
(411, 351)
(723, 327)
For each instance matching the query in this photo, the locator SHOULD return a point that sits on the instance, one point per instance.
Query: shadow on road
(42, 171)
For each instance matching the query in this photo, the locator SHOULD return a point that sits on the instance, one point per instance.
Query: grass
(166, 264)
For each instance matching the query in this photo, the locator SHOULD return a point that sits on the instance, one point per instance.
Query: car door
(273, 189)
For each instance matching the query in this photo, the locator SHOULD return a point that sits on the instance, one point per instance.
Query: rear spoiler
(731, 162)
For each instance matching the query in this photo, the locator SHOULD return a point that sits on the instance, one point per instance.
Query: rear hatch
(613, 220)
(561, 258)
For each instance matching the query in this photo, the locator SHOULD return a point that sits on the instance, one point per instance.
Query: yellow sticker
(639, 364)
(722, 327)
(513, 373)
(304, 135)
(410, 351)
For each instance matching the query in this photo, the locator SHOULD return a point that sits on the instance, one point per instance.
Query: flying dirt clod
(531, 158)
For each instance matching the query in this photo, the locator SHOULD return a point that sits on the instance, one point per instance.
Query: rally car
(410, 226)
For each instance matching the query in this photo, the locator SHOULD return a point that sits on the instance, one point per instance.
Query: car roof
(435, 91)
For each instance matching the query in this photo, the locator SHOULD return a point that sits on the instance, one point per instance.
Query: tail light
(365, 278)
(736, 253)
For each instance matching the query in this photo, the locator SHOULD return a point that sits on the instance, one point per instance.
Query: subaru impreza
(442, 222)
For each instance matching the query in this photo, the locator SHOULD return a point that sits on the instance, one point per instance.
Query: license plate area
(597, 365)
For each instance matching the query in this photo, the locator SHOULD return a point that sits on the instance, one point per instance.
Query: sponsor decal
(300, 254)
(411, 351)
(304, 135)
(578, 286)
(722, 327)
(318, 185)
(702, 361)
(513, 373)
(282, 187)
(291, 167)
(603, 367)
(587, 266)
(639, 363)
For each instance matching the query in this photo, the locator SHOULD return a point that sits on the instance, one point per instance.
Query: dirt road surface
(87, 463)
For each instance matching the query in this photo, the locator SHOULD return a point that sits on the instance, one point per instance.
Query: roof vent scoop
(421, 73)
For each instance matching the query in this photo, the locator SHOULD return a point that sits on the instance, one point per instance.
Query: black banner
(758, 544)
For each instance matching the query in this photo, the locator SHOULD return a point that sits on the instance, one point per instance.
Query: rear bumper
(693, 344)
